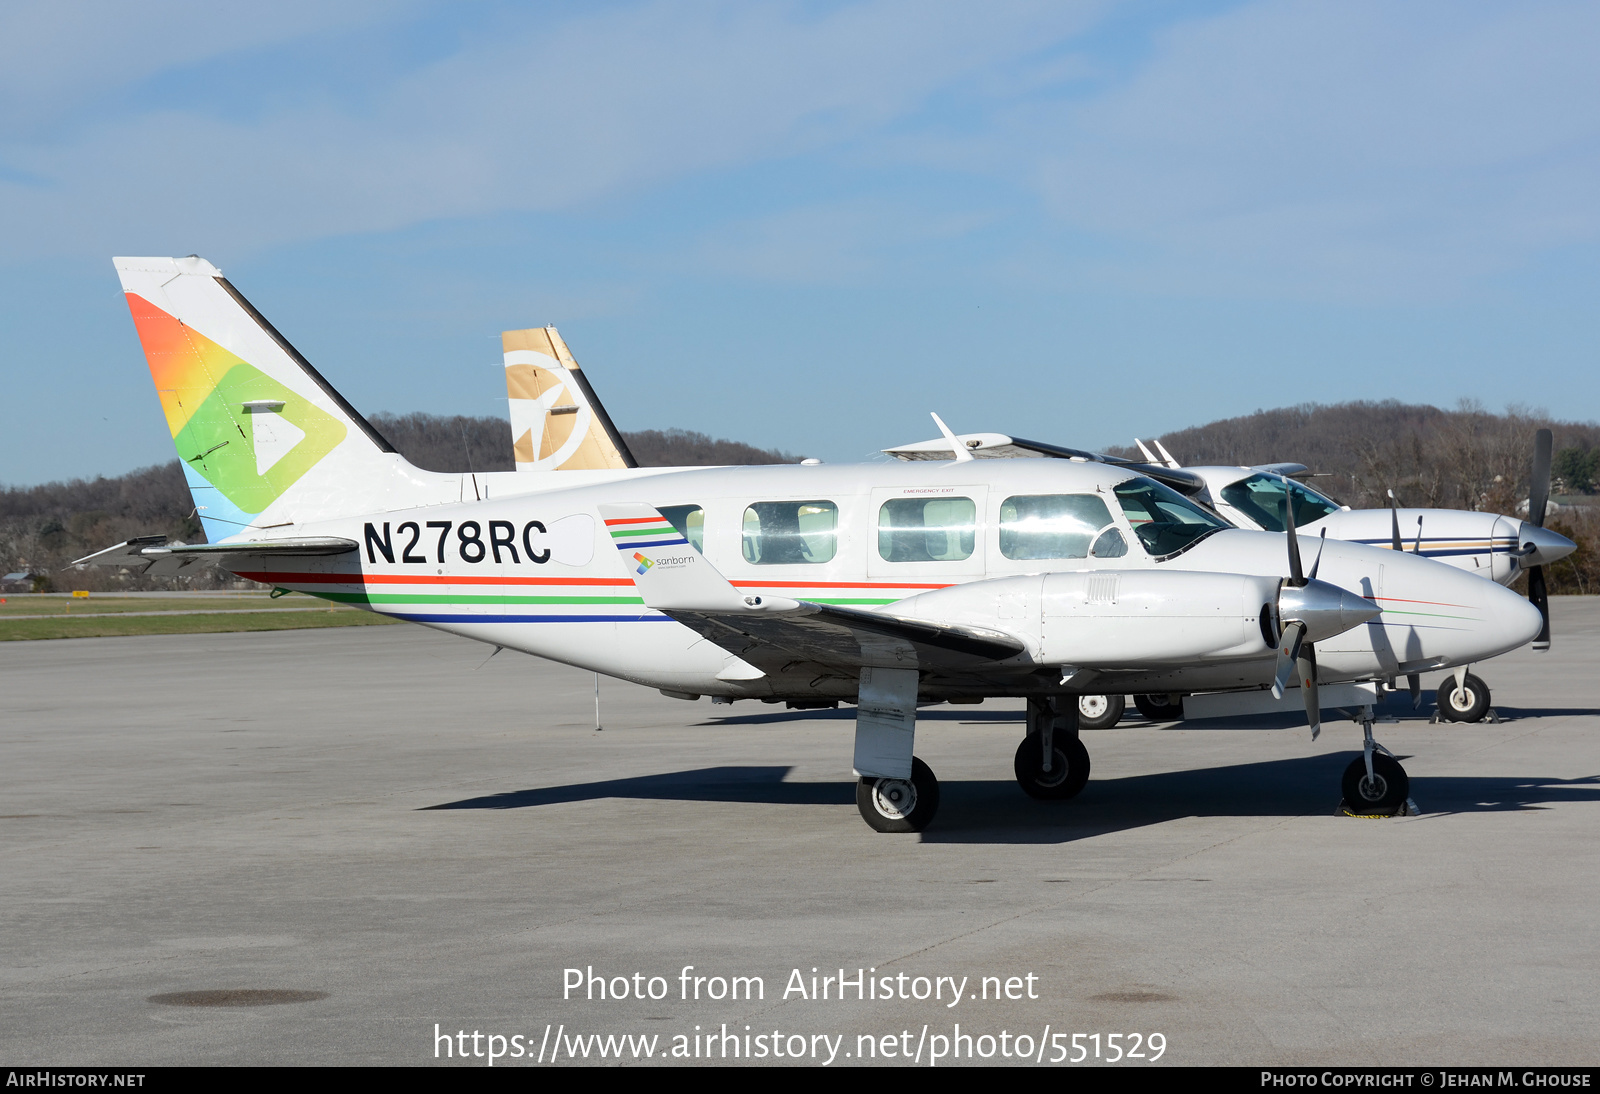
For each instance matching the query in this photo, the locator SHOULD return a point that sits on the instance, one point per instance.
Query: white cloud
(535, 118)
(1356, 150)
(57, 57)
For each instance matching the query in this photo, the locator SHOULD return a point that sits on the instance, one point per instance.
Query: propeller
(1538, 501)
(1312, 600)
(1394, 517)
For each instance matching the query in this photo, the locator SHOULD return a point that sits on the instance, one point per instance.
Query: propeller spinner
(1310, 609)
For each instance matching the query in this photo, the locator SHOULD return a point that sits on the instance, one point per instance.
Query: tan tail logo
(557, 424)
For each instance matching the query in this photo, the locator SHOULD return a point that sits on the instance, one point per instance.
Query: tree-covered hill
(1462, 458)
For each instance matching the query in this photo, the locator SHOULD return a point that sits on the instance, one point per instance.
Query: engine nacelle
(1117, 619)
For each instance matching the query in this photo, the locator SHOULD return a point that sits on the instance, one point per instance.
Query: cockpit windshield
(1165, 521)
(1260, 497)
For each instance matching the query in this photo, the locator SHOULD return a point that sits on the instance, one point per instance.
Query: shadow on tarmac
(848, 714)
(992, 811)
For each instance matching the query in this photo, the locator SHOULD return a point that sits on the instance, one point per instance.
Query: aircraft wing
(773, 633)
(999, 446)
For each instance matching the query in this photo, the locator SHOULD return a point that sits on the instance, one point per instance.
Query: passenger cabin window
(1260, 497)
(927, 529)
(690, 521)
(784, 533)
(1165, 521)
(1051, 525)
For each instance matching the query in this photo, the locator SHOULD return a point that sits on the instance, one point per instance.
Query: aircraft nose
(1511, 617)
(1325, 609)
(1547, 546)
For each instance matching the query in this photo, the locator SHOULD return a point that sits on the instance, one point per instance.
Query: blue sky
(807, 225)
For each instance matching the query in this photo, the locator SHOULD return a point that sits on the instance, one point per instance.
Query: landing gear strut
(1374, 783)
(1051, 762)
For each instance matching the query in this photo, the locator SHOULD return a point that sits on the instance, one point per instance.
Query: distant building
(19, 582)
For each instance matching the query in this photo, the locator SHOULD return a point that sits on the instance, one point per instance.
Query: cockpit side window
(927, 529)
(1260, 497)
(1165, 521)
(1051, 525)
(690, 521)
(784, 533)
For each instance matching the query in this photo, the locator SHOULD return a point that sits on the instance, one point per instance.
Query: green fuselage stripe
(626, 533)
(1429, 615)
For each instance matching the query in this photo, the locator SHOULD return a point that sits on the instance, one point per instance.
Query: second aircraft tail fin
(557, 422)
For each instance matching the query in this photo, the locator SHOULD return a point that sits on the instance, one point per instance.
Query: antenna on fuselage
(960, 450)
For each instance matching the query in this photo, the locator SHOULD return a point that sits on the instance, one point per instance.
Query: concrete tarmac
(417, 838)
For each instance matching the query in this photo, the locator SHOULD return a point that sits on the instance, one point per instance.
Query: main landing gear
(899, 805)
(1100, 711)
(1051, 762)
(1375, 784)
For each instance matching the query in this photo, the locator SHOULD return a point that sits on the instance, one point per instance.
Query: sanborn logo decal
(644, 563)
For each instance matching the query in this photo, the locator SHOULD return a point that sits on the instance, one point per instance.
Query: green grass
(101, 605)
(14, 630)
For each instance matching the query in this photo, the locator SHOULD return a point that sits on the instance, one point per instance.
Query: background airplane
(888, 585)
(1488, 545)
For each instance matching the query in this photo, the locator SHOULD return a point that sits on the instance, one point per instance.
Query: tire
(1159, 708)
(1386, 794)
(1069, 769)
(899, 805)
(1474, 704)
(1100, 711)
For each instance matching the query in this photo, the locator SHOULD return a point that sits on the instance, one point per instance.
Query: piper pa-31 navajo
(884, 585)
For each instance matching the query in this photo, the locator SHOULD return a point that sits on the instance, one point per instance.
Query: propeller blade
(1539, 485)
(1541, 600)
(1417, 547)
(1297, 576)
(1308, 685)
(1322, 541)
(1414, 682)
(1288, 650)
(1394, 515)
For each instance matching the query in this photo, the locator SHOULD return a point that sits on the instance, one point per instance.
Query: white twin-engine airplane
(885, 585)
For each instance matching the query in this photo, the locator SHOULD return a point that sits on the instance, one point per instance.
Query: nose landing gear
(1375, 784)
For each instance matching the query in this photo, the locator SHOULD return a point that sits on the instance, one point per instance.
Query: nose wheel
(899, 805)
(1467, 703)
(1375, 783)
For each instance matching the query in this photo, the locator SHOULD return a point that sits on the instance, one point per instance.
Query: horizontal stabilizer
(1287, 470)
(142, 551)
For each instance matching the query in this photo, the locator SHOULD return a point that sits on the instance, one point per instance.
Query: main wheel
(1470, 706)
(1069, 768)
(899, 805)
(1385, 792)
(1159, 708)
(1100, 711)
